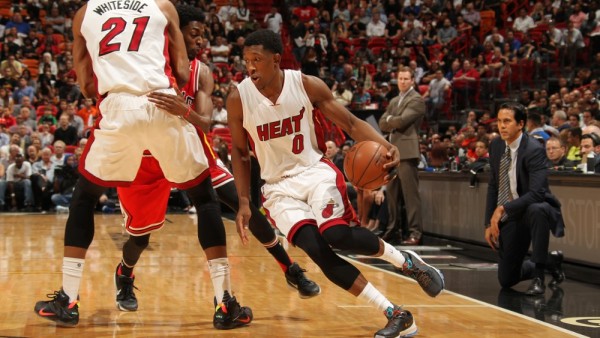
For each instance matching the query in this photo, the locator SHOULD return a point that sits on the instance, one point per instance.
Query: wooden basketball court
(176, 299)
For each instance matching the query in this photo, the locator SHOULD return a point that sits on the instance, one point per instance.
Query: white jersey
(282, 134)
(127, 44)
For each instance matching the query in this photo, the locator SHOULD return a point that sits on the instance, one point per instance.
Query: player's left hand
(241, 222)
(172, 104)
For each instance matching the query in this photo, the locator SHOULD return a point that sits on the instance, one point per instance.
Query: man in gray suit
(402, 120)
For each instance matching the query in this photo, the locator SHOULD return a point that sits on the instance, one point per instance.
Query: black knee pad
(79, 231)
(336, 269)
(358, 240)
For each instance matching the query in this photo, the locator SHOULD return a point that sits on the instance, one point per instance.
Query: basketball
(363, 165)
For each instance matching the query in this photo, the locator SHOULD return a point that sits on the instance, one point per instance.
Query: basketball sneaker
(429, 278)
(58, 309)
(400, 324)
(229, 314)
(126, 300)
(297, 280)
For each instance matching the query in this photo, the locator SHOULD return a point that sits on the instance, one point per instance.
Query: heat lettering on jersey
(134, 5)
(275, 129)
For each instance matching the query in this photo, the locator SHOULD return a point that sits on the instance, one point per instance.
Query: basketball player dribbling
(122, 52)
(305, 195)
(144, 203)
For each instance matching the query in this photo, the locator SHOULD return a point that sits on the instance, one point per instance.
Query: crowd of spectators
(460, 63)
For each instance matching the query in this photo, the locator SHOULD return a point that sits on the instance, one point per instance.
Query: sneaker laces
(298, 274)
(127, 287)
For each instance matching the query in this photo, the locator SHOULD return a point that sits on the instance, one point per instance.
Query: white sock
(373, 296)
(72, 272)
(392, 255)
(219, 274)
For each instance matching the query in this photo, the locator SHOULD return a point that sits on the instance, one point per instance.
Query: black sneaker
(229, 315)
(400, 324)
(296, 279)
(58, 309)
(429, 278)
(126, 300)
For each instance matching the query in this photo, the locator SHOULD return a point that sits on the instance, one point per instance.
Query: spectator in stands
(298, 34)
(535, 126)
(588, 117)
(42, 180)
(333, 153)
(342, 95)
(574, 144)
(556, 152)
(242, 12)
(46, 137)
(577, 16)
(446, 33)
(219, 115)
(15, 66)
(464, 84)
(305, 12)
(472, 16)
(6, 118)
(559, 120)
(46, 82)
(273, 20)
(590, 143)
(310, 63)
(47, 117)
(74, 120)
(315, 38)
(56, 19)
(16, 21)
(226, 11)
(393, 29)
(494, 37)
(523, 23)
(65, 178)
(25, 118)
(65, 131)
(537, 14)
(574, 120)
(47, 61)
(376, 27)
(70, 90)
(32, 155)
(219, 51)
(6, 99)
(88, 112)
(23, 90)
(17, 179)
(435, 95)
(360, 97)
(573, 43)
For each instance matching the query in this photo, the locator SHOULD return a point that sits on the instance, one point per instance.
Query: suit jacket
(532, 183)
(404, 123)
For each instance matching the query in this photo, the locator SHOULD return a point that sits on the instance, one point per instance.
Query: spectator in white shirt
(375, 27)
(219, 116)
(274, 20)
(523, 22)
(17, 177)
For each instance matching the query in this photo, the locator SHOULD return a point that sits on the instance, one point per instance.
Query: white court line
(481, 303)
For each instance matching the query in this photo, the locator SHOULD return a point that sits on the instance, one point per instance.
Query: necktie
(504, 181)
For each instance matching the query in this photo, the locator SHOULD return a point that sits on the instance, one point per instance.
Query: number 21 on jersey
(116, 26)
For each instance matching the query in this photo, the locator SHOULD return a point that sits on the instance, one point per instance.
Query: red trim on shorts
(297, 227)
(331, 223)
(144, 231)
(193, 182)
(340, 182)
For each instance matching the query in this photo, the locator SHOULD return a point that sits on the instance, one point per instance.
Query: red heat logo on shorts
(328, 209)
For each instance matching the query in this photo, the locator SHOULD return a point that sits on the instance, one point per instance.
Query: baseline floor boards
(175, 295)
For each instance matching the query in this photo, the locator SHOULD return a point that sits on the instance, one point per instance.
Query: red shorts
(144, 203)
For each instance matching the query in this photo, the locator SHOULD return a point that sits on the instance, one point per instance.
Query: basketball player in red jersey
(144, 205)
(109, 39)
(305, 194)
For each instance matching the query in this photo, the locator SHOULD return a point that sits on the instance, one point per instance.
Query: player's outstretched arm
(359, 130)
(240, 158)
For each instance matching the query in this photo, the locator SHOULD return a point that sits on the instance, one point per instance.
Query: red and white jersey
(219, 173)
(282, 134)
(127, 43)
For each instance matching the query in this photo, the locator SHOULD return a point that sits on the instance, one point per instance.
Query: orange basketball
(363, 165)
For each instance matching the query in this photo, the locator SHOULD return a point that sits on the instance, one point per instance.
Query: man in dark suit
(520, 208)
(402, 120)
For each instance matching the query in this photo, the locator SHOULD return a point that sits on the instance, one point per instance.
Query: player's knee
(339, 237)
(140, 241)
